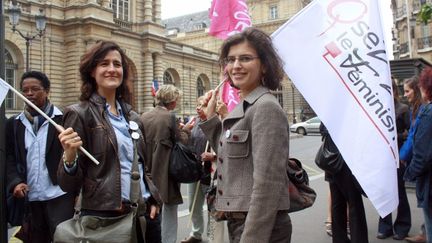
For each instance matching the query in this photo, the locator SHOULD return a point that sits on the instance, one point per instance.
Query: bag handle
(135, 187)
(173, 128)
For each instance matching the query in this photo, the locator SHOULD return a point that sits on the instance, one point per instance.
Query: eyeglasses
(32, 89)
(230, 60)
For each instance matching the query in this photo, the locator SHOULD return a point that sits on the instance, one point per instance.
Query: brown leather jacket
(100, 183)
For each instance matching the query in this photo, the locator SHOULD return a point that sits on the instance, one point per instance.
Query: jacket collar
(100, 103)
(240, 109)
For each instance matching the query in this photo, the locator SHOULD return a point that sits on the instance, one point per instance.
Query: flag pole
(3, 221)
(58, 127)
(196, 193)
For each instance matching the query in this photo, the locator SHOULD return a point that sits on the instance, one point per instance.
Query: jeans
(402, 223)
(428, 223)
(197, 213)
(169, 223)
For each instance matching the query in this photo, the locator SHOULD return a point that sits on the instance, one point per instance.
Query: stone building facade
(267, 15)
(74, 25)
(412, 38)
(186, 58)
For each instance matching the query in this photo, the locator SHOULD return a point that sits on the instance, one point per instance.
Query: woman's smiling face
(244, 67)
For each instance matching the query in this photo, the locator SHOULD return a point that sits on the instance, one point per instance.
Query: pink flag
(228, 17)
(229, 96)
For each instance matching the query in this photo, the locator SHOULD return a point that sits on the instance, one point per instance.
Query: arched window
(121, 9)
(10, 74)
(168, 78)
(200, 87)
(279, 95)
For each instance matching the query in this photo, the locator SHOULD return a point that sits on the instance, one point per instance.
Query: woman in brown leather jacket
(100, 123)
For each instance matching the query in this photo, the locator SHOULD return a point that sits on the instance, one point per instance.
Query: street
(308, 225)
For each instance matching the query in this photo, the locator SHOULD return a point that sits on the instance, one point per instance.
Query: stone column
(158, 67)
(157, 11)
(148, 11)
(145, 99)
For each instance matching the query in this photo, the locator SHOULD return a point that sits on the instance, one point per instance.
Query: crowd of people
(242, 150)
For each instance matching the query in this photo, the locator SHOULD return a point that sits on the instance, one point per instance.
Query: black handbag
(184, 167)
(328, 157)
(301, 195)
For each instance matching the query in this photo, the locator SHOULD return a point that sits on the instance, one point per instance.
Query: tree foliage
(425, 13)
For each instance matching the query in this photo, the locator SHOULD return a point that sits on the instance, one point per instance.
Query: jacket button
(220, 177)
(220, 192)
(227, 203)
(220, 160)
(220, 143)
(235, 138)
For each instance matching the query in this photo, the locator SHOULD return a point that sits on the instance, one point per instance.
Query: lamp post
(293, 103)
(3, 223)
(14, 12)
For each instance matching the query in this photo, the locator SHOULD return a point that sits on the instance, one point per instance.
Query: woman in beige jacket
(251, 143)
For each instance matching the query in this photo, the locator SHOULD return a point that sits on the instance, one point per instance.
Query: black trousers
(153, 229)
(402, 224)
(344, 192)
(46, 215)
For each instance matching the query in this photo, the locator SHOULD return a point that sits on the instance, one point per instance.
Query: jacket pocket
(237, 144)
(98, 140)
(89, 188)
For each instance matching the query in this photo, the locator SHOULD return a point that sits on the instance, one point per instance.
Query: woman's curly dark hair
(262, 44)
(90, 60)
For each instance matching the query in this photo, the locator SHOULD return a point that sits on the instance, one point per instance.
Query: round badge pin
(135, 135)
(133, 125)
(228, 134)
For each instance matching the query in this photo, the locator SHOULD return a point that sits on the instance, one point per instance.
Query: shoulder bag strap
(173, 128)
(135, 187)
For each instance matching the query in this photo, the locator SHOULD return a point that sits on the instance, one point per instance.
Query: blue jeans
(402, 223)
(169, 223)
(428, 223)
(197, 213)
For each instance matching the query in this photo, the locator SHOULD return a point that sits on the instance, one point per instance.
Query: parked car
(309, 126)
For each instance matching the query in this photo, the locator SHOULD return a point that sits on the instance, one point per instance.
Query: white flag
(334, 52)
(4, 88)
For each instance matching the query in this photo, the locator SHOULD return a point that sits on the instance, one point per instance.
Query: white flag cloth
(4, 88)
(334, 52)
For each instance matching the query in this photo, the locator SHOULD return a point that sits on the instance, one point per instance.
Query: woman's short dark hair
(45, 82)
(425, 82)
(90, 60)
(262, 44)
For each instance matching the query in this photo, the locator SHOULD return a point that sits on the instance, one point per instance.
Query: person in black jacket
(400, 228)
(345, 192)
(33, 153)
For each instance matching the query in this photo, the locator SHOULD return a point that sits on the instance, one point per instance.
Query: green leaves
(425, 13)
